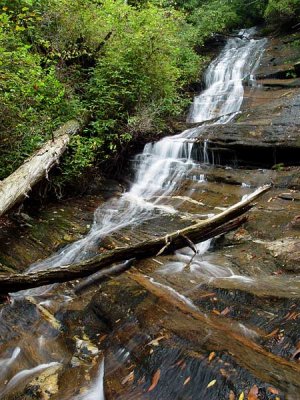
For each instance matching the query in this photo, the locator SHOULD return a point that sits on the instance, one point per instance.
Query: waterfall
(162, 165)
(159, 170)
(224, 78)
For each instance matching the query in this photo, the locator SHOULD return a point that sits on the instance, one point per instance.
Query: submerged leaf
(211, 383)
(273, 390)
(241, 396)
(155, 379)
(253, 393)
(187, 381)
(231, 395)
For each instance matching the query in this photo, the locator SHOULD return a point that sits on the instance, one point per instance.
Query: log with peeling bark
(16, 186)
(221, 223)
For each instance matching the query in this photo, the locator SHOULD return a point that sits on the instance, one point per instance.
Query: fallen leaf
(231, 395)
(272, 390)
(241, 396)
(187, 381)
(223, 372)
(183, 366)
(155, 379)
(211, 356)
(128, 378)
(273, 333)
(206, 295)
(155, 342)
(253, 393)
(212, 383)
(225, 311)
(216, 311)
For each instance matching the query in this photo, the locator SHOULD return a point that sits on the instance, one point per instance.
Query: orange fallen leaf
(180, 362)
(182, 367)
(211, 356)
(128, 378)
(273, 333)
(223, 372)
(231, 395)
(272, 390)
(253, 393)
(187, 381)
(206, 295)
(212, 383)
(216, 311)
(155, 379)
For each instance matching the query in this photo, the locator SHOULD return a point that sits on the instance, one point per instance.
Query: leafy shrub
(283, 13)
(33, 101)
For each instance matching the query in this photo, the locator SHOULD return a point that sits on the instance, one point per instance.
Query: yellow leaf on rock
(242, 396)
(211, 356)
(211, 383)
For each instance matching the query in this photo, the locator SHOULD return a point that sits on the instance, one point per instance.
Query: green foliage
(81, 154)
(145, 63)
(33, 101)
(128, 63)
(214, 16)
(283, 13)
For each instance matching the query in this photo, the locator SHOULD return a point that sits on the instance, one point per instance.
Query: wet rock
(291, 196)
(283, 177)
(46, 384)
(267, 130)
(296, 222)
(286, 250)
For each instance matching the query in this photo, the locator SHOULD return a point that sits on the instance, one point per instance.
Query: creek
(45, 350)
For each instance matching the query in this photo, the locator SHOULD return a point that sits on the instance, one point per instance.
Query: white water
(25, 374)
(224, 79)
(162, 165)
(96, 392)
(6, 362)
(160, 169)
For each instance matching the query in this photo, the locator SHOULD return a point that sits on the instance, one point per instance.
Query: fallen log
(221, 223)
(103, 275)
(16, 186)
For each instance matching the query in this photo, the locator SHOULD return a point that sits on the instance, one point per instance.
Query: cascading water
(163, 165)
(224, 79)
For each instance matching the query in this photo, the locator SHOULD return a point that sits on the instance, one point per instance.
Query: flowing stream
(159, 170)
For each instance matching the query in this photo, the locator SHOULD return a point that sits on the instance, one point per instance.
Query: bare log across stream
(221, 223)
(17, 185)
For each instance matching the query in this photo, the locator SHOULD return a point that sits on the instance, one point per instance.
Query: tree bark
(221, 223)
(16, 186)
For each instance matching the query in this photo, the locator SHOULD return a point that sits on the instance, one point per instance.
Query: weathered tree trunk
(219, 224)
(16, 186)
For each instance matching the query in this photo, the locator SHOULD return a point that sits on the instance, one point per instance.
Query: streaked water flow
(162, 165)
(158, 172)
